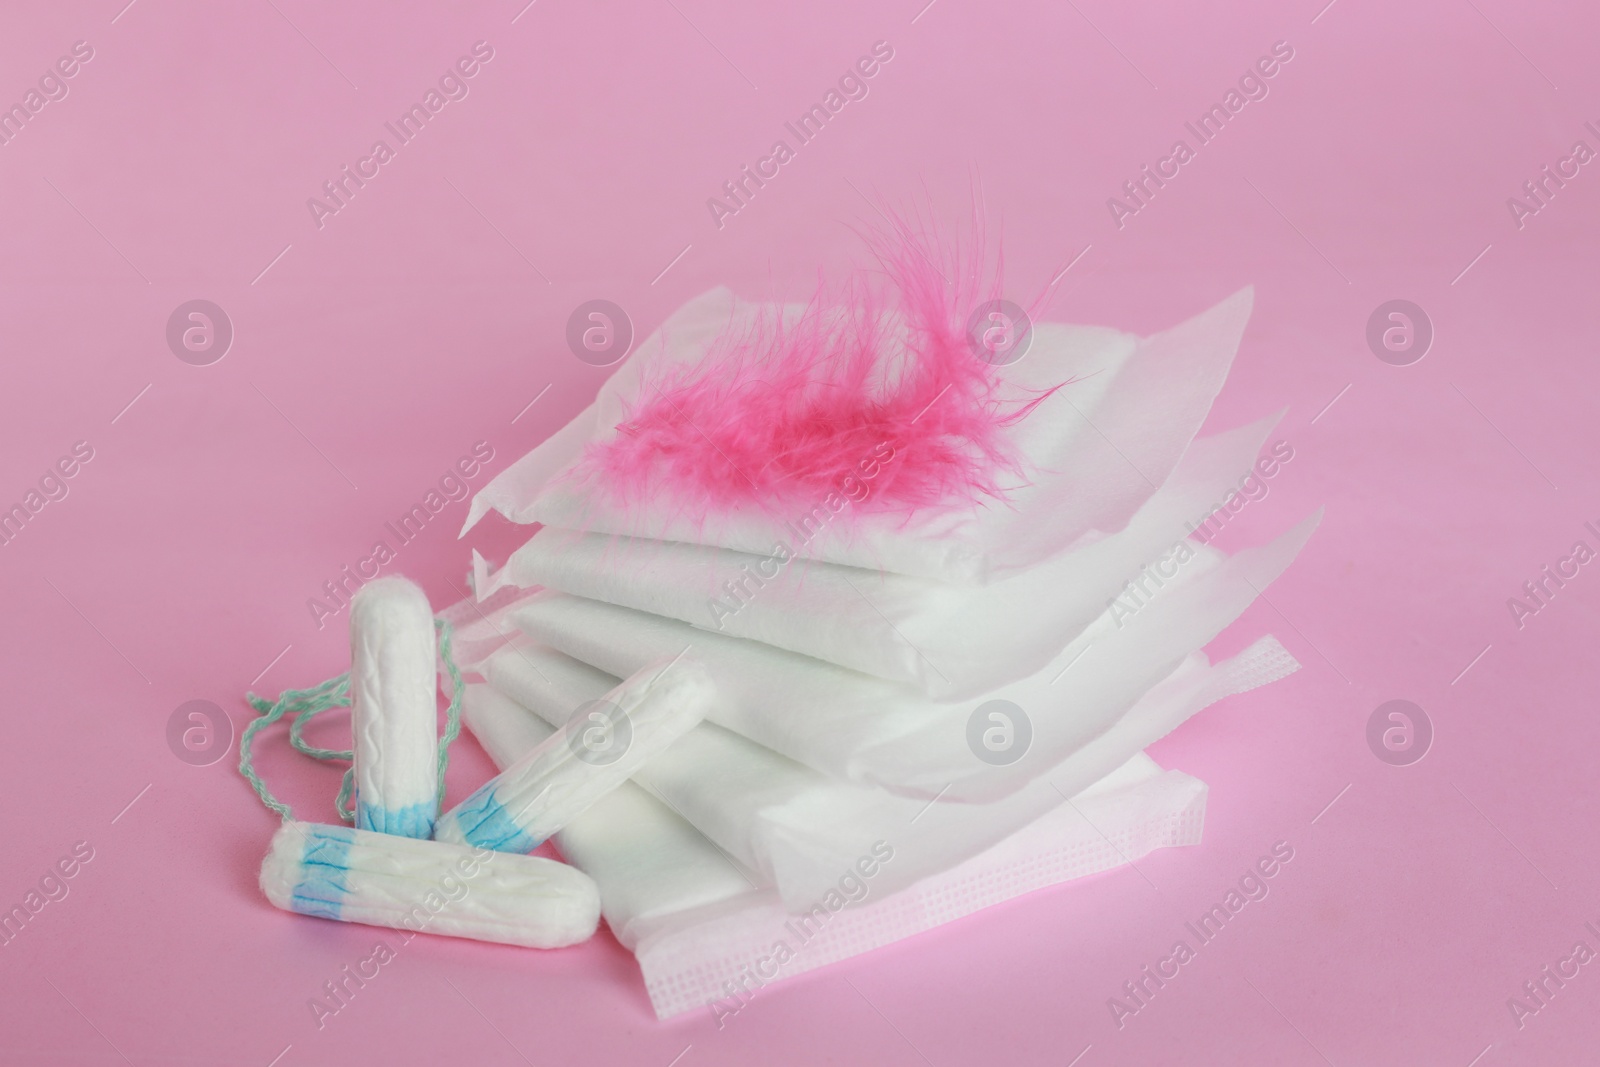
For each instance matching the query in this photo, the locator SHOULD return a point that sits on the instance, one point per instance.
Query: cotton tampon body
(394, 709)
(336, 872)
(598, 748)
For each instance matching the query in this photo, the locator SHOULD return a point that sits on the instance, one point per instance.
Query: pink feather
(786, 412)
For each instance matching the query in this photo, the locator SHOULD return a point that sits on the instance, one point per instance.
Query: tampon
(598, 748)
(394, 714)
(337, 872)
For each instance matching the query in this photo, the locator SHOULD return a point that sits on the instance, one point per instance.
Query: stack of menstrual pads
(918, 712)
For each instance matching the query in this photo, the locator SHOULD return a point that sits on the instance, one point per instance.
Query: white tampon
(394, 709)
(598, 749)
(336, 872)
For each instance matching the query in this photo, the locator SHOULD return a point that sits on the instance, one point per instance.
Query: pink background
(427, 314)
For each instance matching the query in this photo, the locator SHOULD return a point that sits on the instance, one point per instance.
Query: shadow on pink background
(428, 313)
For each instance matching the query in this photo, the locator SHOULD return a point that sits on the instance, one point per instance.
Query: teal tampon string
(307, 704)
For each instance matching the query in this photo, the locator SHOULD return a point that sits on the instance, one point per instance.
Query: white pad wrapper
(718, 958)
(795, 828)
(1093, 451)
(704, 931)
(337, 872)
(394, 717)
(947, 640)
(607, 739)
(864, 729)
